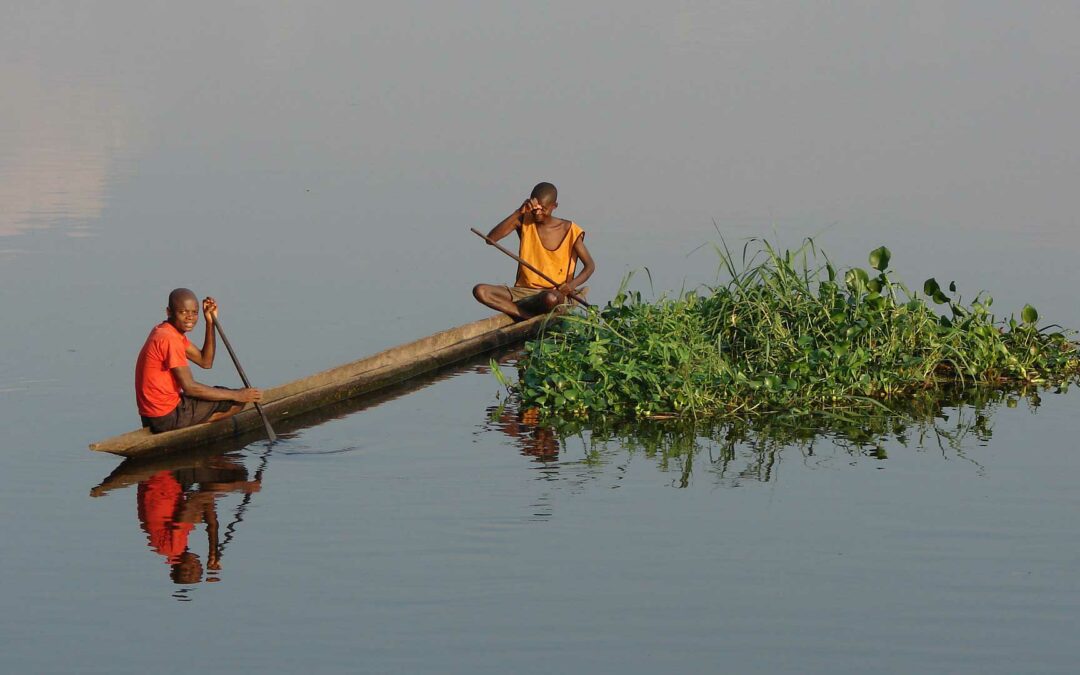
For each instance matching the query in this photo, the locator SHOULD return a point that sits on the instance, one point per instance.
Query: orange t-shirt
(160, 498)
(558, 264)
(156, 390)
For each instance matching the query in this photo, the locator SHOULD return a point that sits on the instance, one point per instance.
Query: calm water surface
(316, 168)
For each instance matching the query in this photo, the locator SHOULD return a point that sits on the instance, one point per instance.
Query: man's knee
(552, 299)
(485, 293)
(491, 295)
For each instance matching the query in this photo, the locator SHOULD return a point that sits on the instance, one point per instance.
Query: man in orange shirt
(550, 244)
(167, 395)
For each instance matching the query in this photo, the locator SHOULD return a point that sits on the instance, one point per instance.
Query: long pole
(555, 284)
(243, 377)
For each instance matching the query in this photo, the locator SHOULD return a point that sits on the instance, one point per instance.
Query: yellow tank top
(558, 264)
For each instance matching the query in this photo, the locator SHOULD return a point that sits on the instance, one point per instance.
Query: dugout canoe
(351, 380)
(134, 470)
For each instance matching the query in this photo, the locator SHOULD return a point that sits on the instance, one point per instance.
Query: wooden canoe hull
(134, 470)
(337, 384)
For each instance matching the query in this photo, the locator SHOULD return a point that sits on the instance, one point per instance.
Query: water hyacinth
(785, 335)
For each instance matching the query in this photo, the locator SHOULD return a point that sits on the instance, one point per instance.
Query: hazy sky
(927, 111)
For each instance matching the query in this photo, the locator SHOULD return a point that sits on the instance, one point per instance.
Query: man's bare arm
(204, 358)
(588, 266)
(198, 390)
(513, 221)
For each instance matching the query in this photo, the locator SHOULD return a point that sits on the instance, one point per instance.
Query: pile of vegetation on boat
(785, 336)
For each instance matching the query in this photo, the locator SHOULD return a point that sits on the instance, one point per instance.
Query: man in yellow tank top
(552, 245)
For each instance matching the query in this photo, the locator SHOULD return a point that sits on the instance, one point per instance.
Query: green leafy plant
(782, 337)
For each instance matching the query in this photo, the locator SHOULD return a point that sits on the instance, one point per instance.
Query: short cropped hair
(545, 192)
(178, 295)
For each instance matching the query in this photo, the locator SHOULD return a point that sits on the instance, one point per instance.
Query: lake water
(316, 168)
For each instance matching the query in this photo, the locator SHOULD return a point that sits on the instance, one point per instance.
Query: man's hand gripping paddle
(243, 376)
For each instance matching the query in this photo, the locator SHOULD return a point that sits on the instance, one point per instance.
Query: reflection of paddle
(243, 377)
(543, 276)
(230, 529)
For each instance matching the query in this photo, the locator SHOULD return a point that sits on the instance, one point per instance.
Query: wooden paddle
(573, 296)
(243, 377)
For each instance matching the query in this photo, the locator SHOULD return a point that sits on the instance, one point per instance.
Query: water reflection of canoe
(135, 471)
(337, 384)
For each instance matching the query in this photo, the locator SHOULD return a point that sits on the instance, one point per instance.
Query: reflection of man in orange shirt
(160, 501)
(168, 514)
(524, 427)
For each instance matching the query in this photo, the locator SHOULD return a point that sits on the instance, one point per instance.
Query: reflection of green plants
(787, 337)
(736, 450)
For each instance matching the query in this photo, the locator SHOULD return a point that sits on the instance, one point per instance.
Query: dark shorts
(188, 412)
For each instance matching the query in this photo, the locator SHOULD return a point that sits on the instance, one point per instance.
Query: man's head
(187, 570)
(548, 198)
(183, 309)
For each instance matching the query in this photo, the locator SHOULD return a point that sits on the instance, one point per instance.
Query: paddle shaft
(243, 377)
(573, 296)
(230, 529)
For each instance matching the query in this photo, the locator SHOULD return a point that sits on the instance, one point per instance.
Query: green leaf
(930, 286)
(879, 258)
(874, 285)
(1029, 315)
(494, 365)
(939, 297)
(856, 278)
(952, 286)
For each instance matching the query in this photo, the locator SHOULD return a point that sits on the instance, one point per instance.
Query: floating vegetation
(788, 337)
